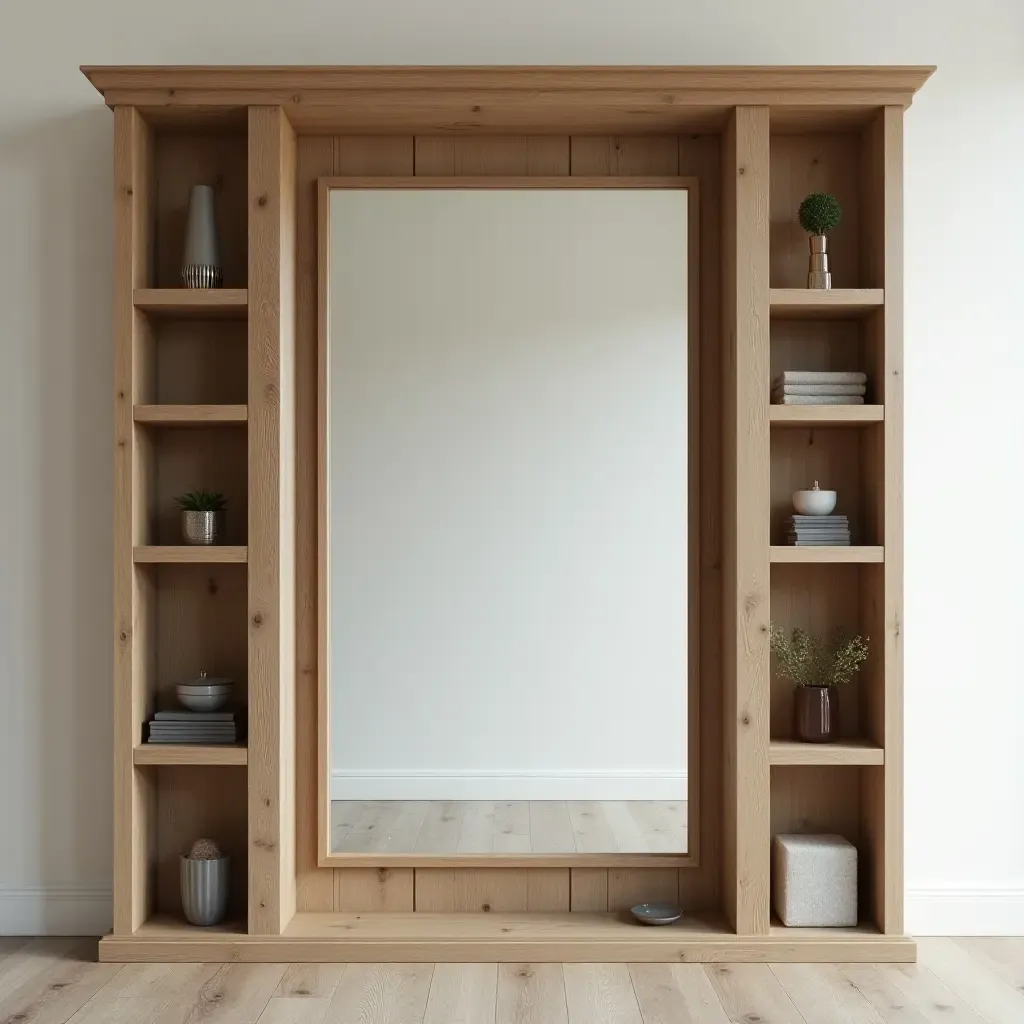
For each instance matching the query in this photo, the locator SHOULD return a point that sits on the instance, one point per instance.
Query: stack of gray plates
(202, 728)
(818, 531)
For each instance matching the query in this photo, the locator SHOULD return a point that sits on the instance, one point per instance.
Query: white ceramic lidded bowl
(815, 502)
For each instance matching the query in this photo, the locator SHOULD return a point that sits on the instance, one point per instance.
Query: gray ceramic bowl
(204, 701)
(656, 913)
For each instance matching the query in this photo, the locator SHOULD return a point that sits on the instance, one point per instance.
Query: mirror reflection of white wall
(508, 520)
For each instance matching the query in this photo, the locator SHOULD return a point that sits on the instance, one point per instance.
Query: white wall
(508, 492)
(964, 366)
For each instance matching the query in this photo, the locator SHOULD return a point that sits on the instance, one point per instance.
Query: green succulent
(810, 661)
(201, 501)
(820, 213)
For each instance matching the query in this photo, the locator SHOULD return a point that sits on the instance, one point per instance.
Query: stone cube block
(814, 881)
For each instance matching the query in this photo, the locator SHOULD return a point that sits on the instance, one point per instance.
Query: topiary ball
(820, 213)
(204, 849)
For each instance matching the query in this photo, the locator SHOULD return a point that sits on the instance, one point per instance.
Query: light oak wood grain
(468, 993)
(171, 554)
(169, 754)
(193, 303)
(189, 415)
(747, 692)
(271, 190)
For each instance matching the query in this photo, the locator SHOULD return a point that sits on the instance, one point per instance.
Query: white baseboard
(964, 911)
(55, 910)
(349, 785)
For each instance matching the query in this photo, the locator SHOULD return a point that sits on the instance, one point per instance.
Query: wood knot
(742, 171)
(745, 719)
(262, 201)
(486, 908)
(124, 636)
(212, 587)
(172, 92)
(297, 98)
(475, 108)
(257, 620)
(266, 801)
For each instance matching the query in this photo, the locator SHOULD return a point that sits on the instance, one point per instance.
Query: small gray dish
(656, 913)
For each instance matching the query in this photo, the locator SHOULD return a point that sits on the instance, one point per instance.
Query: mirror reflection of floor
(508, 826)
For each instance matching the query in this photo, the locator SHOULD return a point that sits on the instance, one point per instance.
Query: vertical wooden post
(134, 811)
(746, 583)
(271, 520)
(882, 253)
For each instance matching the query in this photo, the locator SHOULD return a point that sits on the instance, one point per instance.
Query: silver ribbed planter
(204, 890)
(818, 275)
(203, 528)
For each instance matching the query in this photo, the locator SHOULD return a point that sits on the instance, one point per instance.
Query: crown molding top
(766, 78)
(496, 98)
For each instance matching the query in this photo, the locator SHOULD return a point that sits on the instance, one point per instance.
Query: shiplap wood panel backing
(271, 570)
(541, 889)
(746, 598)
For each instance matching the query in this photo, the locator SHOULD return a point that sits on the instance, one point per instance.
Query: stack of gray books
(197, 728)
(818, 531)
(819, 387)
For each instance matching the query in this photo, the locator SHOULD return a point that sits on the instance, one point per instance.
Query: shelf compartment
(822, 304)
(826, 555)
(190, 802)
(847, 752)
(186, 754)
(193, 303)
(190, 415)
(825, 415)
(169, 554)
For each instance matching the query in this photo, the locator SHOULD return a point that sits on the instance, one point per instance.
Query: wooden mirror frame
(326, 857)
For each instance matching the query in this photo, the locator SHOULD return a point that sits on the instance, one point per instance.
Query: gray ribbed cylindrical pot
(202, 527)
(204, 890)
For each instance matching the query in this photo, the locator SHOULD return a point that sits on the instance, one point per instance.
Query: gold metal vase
(818, 275)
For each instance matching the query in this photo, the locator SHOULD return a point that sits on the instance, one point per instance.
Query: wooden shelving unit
(826, 555)
(834, 304)
(825, 415)
(788, 752)
(173, 554)
(238, 368)
(167, 754)
(189, 415)
(188, 303)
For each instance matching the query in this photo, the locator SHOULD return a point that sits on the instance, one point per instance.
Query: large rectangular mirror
(504, 517)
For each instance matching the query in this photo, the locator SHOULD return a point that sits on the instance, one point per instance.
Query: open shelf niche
(848, 787)
(182, 393)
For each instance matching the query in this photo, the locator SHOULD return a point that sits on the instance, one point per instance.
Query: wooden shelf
(833, 304)
(825, 554)
(188, 754)
(193, 303)
(174, 553)
(503, 937)
(190, 415)
(825, 415)
(791, 752)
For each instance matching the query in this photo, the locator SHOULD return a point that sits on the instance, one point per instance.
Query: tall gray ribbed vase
(204, 890)
(200, 265)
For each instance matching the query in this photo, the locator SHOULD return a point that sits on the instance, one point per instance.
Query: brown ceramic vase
(816, 714)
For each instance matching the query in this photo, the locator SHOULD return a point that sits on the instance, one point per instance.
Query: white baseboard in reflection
(423, 785)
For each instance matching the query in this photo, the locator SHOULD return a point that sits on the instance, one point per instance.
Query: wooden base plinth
(514, 938)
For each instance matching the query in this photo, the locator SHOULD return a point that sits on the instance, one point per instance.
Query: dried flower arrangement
(204, 849)
(811, 661)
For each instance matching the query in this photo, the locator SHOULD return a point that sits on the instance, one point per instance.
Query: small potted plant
(817, 667)
(204, 884)
(202, 517)
(820, 213)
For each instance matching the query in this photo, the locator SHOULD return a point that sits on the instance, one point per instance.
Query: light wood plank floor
(511, 826)
(963, 981)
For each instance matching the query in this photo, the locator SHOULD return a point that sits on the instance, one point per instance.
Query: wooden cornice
(485, 99)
